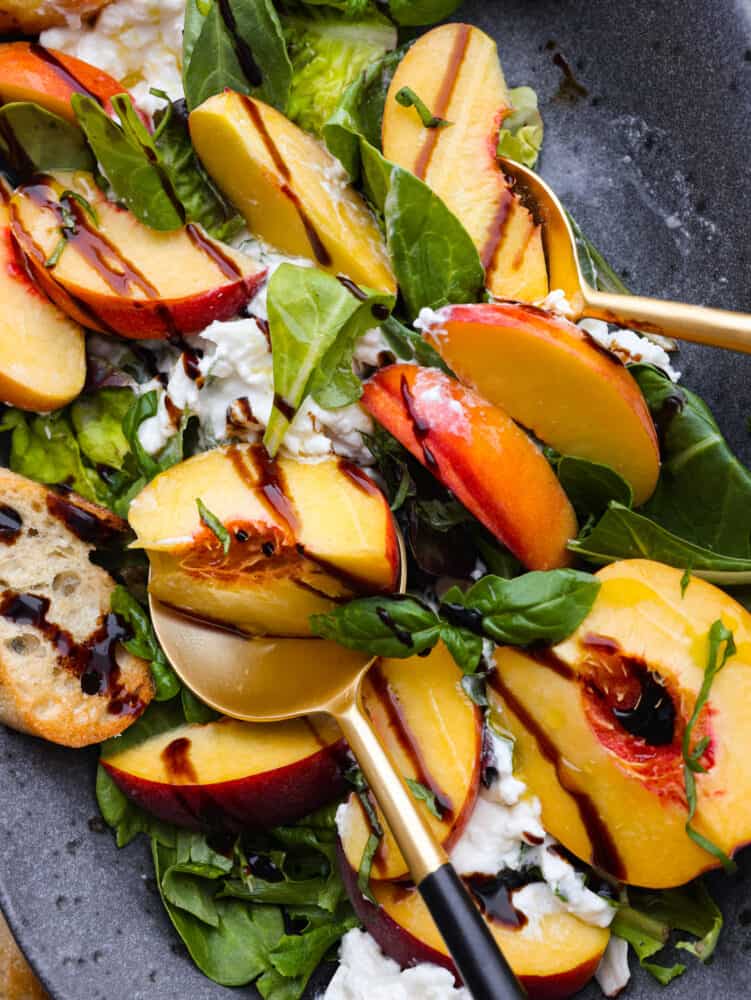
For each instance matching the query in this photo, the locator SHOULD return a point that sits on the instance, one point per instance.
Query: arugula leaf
(214, 525)
(123, 151)
(423, 794)
(407, 98)
(329, 52)
(144, 643)
(238, 45)
(381, 626)
(522, 131)
(536, 607)
(591, 486)
(41, 141)
(721, 648)
(419, 12)
(315, 322)
(201, 200)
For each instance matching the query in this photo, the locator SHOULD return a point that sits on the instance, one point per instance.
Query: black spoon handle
(486, 973)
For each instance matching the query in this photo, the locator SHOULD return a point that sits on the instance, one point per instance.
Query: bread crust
(29, 17)
(39, 692)
(17, 981)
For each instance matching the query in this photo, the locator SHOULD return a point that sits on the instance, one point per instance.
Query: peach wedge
(477, 451)
(553, 379)
(230, 775)
(290, 189)
(110, 272)
(554, 958)
(42, 352)
(455, 70)
(31, 72)
(301, 538)
(434, 733)
(599, 723)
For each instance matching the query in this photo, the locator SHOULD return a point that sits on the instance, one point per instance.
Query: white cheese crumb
(431, 320)
(629, 346)
(613, 972)
(556, 302)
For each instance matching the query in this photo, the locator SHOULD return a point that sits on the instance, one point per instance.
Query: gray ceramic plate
(653, 161)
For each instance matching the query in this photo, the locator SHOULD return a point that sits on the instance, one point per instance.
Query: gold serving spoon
(699, 324)
(269, 680)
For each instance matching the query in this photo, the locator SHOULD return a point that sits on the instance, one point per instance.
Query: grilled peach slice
(553, 379)
(455, 70)
(301, 538)
(31, 72)
(434, 734)
(110, 272)
(599, 722)
(42, 352)
(290, 189)
(477, 451)
(230, 775)
(554, 957)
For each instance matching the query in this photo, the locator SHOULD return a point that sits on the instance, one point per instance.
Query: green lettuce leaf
(329, 52)
(522, 131)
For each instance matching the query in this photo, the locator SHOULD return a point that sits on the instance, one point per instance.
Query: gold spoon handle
(698, 324)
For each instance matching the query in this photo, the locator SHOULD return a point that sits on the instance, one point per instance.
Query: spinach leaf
(522, 131)
(128, 158)
(159, 717)
(33, 140)
(202, 202)
(407, 98)
(144, 643)
(394, 627)
(315, 322)
(408, 345)
(419, 12)
(296, 956)
(239, 46)
(591, 486)
(536, 607)
(125, 818)
(195, 710)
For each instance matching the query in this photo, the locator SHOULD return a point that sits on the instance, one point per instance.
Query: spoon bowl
(697, 324)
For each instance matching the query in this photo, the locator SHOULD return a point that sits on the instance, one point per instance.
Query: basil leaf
(314, 322)
(591, 486)
(381, 626)
(240, 46)
(366, 866)
(214, 525)
(626, 534)
(419, 12)
(536, 607)
(464, 646)
(202, 202)
(434, 258)
(144, 643)
(137, 180)
(407, 98)
(423, 794)
(33, 140)
(522, 131)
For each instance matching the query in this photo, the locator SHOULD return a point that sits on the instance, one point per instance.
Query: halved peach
(303, 537)
(291, 190)
(434, 733)
(230, 775)
(42, 352)
(455, 69)
(554, 956)
(116, 275)
(599, 721)
(555, 380)
(31, 72)
(477, 451)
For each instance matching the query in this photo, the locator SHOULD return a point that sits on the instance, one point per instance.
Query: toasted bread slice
(29, 17)
(64, 674)
(17, 981)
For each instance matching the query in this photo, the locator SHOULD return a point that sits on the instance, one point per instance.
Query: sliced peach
(477, 451)
(434, 734)
(599, 722)
(302, 538)
(115, 274)
(290, 189)
(31, 72)
(553, 379)
(42, 352)
(455, 69)
(554, 957)
(232, 775)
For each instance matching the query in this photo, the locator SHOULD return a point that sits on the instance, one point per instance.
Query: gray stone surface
(653, 162)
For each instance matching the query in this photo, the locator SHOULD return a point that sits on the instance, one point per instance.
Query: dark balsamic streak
(87, 524)
(351, 287)
(281, 404)
(494, 895)
(420, 426)
(249, 66)
(226, 265)
(404, 637)
(177, 762)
